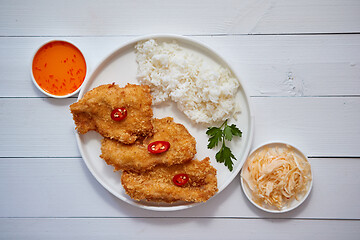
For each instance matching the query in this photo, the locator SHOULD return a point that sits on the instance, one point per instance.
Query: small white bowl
(40, 88)
(294, 203)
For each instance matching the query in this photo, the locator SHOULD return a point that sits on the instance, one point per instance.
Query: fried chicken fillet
(157, 185)
(93, 112)
(136, 157)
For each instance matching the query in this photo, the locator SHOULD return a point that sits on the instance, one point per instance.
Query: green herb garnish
(223, 133)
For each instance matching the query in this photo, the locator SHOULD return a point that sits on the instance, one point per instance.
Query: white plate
(121, 67)
(293, 204)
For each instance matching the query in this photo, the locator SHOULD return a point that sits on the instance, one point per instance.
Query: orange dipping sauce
(59, 68)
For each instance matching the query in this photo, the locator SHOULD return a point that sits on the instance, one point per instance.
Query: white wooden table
(299, 59)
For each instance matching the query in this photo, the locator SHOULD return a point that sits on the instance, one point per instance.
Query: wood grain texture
(327, 126)
(78, 18)
(299, 60)
(317, 65)
(64, 188)
(38, 229)
(43, 125)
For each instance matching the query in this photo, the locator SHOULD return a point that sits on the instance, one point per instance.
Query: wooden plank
(41, 127)
(177, 229)
(293, 65)
(326, 126)
(64, 188)
(84, 18)
(318, 126)
(267, 65)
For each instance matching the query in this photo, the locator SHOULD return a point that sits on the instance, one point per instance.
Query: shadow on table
(120, 208)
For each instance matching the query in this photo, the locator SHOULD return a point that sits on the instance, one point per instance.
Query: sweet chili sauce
(59, 68)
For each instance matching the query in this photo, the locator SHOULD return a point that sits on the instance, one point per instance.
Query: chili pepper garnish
(118, 114)
(158, 147)
(180, 179)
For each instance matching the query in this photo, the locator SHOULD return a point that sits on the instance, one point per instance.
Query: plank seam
(307, 96)
(215, 218)
(79, 157)
(273, 34)
(252, 96)
(194, 35)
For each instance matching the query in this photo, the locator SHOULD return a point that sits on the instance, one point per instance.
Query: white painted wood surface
(300, 61)
(184, 228)
(64, 188)
(320, 126)
(202, 17)
(271, 65)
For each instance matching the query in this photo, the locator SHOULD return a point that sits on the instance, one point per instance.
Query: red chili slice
(180, 179)
(118, 114)
(158, 147)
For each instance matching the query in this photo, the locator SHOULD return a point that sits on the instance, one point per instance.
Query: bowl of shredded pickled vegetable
(276, 177)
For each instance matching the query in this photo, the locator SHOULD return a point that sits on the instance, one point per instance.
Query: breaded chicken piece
(93, 112)
(157, 185)
(136, 157)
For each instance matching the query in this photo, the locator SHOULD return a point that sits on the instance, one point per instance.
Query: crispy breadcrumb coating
(93, 112)
(136, 157)
(157, 185)
(145, 176)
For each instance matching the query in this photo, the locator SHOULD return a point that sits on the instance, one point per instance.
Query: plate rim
(251, 117)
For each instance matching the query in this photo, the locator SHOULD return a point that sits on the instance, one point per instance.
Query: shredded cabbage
(277, 176)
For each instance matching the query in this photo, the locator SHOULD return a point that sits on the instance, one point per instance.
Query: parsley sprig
(222, 134)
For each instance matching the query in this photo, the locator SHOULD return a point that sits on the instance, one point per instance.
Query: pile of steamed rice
(204, 92)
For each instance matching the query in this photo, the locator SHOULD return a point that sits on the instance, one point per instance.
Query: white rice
(204, 92)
